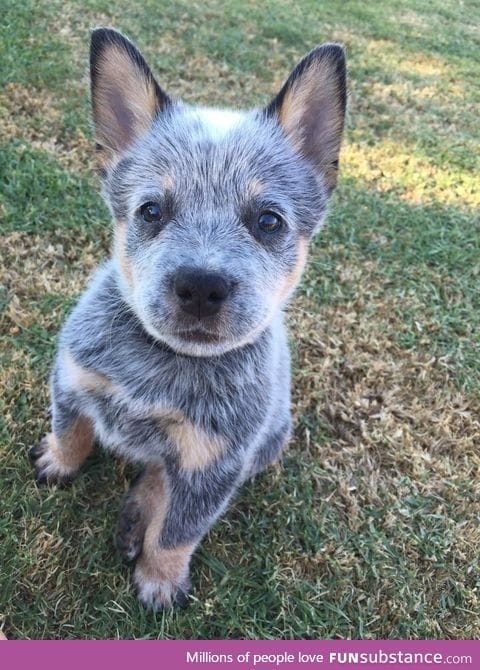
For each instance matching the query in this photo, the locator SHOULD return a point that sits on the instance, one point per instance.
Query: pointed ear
(125, 96)
(311, 108)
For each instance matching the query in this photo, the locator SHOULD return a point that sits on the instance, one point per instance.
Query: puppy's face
(213, 209)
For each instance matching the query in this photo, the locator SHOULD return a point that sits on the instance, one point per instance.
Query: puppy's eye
(151, 212)
(269, 222)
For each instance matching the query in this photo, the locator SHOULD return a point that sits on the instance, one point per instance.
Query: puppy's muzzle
(201, 293)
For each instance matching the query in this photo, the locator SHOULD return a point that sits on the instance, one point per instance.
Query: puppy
(176, 355)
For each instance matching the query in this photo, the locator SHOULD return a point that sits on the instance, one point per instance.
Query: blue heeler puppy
(176, 355)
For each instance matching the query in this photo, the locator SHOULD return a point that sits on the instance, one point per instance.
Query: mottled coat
(176, 355)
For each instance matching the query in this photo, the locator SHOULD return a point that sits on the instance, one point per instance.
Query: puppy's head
(213, 209)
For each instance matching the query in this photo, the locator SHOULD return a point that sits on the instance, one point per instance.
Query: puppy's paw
(48, 463)
(160, 594)
(131, 528)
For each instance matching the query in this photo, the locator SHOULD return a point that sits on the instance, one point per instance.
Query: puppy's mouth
(198, 335)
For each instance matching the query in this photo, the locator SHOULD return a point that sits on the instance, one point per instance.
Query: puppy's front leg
(172, 509)
(60, 454)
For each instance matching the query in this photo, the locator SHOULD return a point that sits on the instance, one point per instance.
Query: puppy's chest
(148, 419)
(150, 432)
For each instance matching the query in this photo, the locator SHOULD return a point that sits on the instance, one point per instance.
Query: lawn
(370, 527)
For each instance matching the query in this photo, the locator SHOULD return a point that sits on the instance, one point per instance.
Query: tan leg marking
(160, 574)
(79, 378)
(196, 448)
(62, 456)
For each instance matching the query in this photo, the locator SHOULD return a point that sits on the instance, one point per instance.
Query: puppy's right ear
(125, 96)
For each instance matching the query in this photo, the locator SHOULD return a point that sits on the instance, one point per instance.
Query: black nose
(201, 293)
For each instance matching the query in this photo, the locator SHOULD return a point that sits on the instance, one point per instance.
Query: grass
(370, 528)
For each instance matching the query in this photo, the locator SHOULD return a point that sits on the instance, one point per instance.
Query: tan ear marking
(311, 109)
(125, 96)
(125, 101)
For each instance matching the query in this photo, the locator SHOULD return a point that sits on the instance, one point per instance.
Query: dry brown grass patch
(32, 116)
(387, 415)
(33, 266)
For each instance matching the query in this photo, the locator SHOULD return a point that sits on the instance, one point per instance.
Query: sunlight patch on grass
(408, 64)
(388, 166)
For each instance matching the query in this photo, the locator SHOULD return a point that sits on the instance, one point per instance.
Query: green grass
(370, 527)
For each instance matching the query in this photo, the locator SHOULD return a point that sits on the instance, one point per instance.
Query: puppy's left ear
(125, 96)
(311, 108)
